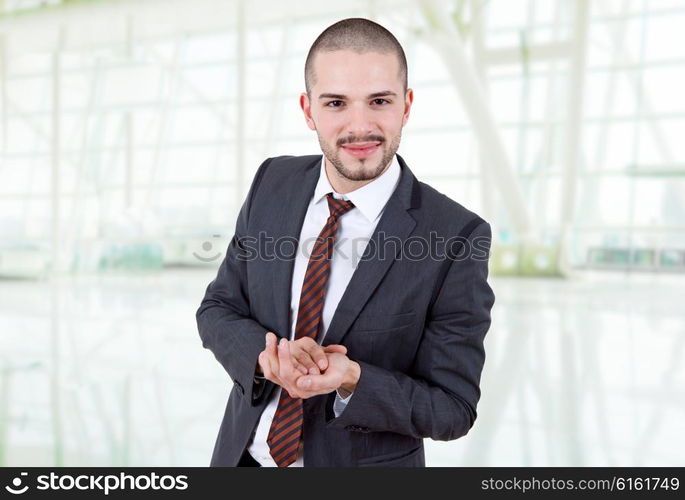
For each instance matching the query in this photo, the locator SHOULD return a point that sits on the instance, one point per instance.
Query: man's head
(358, 35)
(357, 99)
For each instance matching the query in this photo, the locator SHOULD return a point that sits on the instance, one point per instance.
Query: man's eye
(380, 101)
(334, 104)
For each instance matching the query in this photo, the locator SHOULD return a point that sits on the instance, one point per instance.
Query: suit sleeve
(437, 398)
(223, 318)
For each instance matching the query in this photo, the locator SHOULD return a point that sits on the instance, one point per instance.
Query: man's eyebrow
(383, 93)
(332, 96)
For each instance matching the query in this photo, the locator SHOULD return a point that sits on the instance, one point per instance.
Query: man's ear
(408, 100)
(307, 110)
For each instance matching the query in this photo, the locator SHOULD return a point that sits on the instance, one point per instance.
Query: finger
(270, 338)
(300, 367)
(269, 362)
(287, 373)
(265, 365)
(335, 348)
(272, 357)
(317, 354)
(311, 383)
(261, 361)
(327, 381)
(302, 357)
(319, 357)
(285, 364)
(316, 384)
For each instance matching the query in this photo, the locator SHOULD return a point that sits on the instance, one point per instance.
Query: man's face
(358, 107)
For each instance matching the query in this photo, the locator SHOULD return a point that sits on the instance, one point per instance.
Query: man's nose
(360, 123)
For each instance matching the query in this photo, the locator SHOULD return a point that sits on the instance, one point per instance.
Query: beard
(368, 171)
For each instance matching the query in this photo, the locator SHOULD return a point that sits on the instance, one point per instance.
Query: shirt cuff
(340, 403)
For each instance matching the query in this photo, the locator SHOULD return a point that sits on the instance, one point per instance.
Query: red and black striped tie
(286, 428)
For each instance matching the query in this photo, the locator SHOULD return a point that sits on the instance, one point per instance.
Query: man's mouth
(361, 149)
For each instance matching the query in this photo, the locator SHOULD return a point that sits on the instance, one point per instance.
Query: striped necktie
(286, 428)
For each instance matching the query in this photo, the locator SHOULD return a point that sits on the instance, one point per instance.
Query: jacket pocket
(411, 458)
(382, 322)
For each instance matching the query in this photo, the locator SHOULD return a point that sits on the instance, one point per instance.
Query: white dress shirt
(355, 229)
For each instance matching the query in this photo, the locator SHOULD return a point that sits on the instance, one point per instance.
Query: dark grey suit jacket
(414, 322)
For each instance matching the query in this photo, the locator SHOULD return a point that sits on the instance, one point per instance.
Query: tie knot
(338, 207)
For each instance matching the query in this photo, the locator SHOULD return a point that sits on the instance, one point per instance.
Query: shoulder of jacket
(291, 162)
(443, 210)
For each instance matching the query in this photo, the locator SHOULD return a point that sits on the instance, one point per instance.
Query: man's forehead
(346, 72)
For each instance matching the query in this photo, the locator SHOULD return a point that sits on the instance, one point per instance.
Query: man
(351, 348)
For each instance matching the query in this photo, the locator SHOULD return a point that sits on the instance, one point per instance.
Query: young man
(351, 348)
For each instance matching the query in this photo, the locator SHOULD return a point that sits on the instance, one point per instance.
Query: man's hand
(342, 375)
(296, 367)
(307, 356)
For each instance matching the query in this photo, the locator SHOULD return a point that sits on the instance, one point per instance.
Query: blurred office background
(130, 132)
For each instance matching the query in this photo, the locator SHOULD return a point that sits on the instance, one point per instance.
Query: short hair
(359, 35)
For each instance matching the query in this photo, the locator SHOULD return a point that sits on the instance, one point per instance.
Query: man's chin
(359, 171)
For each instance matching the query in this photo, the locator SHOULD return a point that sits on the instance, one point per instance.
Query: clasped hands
(305, 369)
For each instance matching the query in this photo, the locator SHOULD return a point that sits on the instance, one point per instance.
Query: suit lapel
(396, 222)
(287, 224)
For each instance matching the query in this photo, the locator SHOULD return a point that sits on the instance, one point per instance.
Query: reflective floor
(109, 370)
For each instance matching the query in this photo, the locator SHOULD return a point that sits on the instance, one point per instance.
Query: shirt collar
(371, 198)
